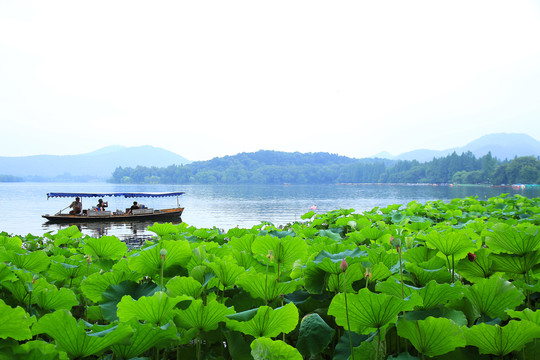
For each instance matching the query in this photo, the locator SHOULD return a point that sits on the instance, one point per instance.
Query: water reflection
(132, 231)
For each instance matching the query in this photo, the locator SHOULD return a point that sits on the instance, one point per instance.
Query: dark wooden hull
(158, 215)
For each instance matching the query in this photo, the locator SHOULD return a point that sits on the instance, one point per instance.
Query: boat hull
(158, 215)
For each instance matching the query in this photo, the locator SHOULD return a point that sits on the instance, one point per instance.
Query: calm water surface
(223, 206)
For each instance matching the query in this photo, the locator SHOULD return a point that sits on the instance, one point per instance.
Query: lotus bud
(396, 242)
(471, 257)
(163, 254)
(343, 266)
(270, 255)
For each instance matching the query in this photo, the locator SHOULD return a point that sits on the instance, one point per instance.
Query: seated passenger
(134, 207)
(101, 205)
(77, 207)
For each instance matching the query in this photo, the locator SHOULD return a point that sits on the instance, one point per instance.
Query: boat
(93, 215)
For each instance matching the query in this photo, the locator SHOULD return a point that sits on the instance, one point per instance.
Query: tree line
(273, 167)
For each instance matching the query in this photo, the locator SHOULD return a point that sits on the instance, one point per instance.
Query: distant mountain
(502, 146)
(93, 166)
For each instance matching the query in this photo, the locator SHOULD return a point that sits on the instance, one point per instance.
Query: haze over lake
(222, 206)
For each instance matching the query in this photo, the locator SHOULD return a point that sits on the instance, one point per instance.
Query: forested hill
(273, 167)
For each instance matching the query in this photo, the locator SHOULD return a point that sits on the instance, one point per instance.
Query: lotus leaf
(115, 292)
(527, 314)
(55, 299)
(314, 335)
(432, 336)
(480, 267)
(145, 336)
(265, 287)
(268, 349)
(15, 322)
(226, 271)
(181, 285)
(367, 311)
(203, 317)
(507, 239)
(37, 350)
(95, 285)
(36, 261)
(450, 243)
(72, 337)
(163, 229)
(265, 321)
(148, 261)
(158, 309)
(284, 251)
(11, 243)
(501, 340)
(105, 247)
(492, 297)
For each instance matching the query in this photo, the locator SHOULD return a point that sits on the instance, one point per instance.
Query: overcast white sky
(213, 78)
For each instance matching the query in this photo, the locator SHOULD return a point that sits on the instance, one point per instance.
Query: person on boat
(101, 205)
(76, 206)
(134, 207)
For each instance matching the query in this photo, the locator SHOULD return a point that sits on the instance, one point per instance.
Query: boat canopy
(117, 194)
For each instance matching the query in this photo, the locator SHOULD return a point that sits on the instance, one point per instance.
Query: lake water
(223, 206)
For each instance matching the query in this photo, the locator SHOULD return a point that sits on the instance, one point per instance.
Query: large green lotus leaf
(226, 271)
(434, 294)
(285, 251)
(442, 312)
(105, 247)
(368, 311)
(419, 254)
(72, 337)
(315, 279)
(268, 349)
(330, 262)
(36, 261)
(158, 309)
(507, 239)
(163, 229)
(6, 273)
(265, 287)
(95, 285)
(450, 243)
(499, 341)
(492, 297)
(422, 276)
(314, 335)
(515, 264)
(381, 256)
(15, 322)
(38, 350)
(266, 322)
(203, 317)
(11, 243)
(479, 268)
(114, 293)
(181, 285)
(379, 272)
(54, 299)
(331, 235)
(371, 233)
(243, 243)
(354, 273)
(527, 314)
(20, 288)
(236, 233)
(64, 271)
(432, 336)
(71, 232)
(148, 261)
(342, 351)
(145, 337)
(392, 286)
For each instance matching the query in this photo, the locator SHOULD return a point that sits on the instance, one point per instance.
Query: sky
(206, 79)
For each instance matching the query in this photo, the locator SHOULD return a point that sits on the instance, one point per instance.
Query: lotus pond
(435, 280)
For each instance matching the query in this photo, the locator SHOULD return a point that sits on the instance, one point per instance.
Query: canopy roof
(116, 194)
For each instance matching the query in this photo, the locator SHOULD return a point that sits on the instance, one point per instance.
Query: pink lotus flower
(343, 266)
